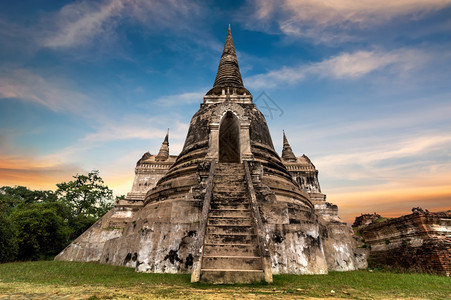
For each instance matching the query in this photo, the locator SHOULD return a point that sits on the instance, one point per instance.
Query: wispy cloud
(135, 127)
(17, 167)
(181, 99)
(328, 20)
(410, 147)
(80, 22)
(84, 22)
(118, 132)
(54, 93)
(343, 66)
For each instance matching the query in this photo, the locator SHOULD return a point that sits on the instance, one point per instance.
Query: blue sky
(362, 88)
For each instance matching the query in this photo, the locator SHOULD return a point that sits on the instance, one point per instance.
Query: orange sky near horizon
(389, 201)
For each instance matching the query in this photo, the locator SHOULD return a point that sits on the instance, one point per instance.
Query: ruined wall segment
(420, 241)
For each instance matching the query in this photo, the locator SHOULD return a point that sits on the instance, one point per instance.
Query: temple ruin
(228, 208)
(420, 241)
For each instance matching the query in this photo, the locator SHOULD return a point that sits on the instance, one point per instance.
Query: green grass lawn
(71, 280)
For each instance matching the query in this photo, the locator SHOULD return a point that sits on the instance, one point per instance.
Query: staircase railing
(198, 254)
(264, 251)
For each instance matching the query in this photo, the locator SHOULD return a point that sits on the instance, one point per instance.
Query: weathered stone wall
(160, 239)
(89, 245)
(420, 241)
(365, 219)
(340, 246)
(293, 236)
(157, 238)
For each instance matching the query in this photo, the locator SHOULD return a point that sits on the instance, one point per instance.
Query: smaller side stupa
(340, 245)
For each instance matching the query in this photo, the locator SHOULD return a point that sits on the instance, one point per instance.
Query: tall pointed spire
(228, 71)
(287, 153)
(166, 139)
(163, 154)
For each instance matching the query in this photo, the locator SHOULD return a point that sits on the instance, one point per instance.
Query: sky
(363, 88)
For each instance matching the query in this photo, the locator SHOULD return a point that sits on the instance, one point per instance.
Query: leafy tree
(41, 231)
(86, 195)
(8, 241)
(87, 198)
(31, 224)
(39, 224)
(10, 197)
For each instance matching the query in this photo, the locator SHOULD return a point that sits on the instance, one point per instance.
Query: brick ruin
(365, 219)
(420, 241)
(228, 208)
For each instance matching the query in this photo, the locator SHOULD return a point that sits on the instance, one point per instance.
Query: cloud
(389, 178)
(181, 99)
(39, 173)
(123, 132)
(343, 66)
(79, 22)
(328, 20)
(135, 127)
(53, 93)
(363, 12)
(83, 22)
(387, 162)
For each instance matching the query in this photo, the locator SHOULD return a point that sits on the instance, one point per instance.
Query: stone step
(229, 168)
(233, 201)
(229, 205)
(229, 171)
(226, 276)
(230, 213)
(223, 198)
(229, 221)
(229, 194)
(225, 180)
(215, 229)
(222, 192)
(231, 250)
(233, 172)
(233, 188)
(232, 262)
(230, 238)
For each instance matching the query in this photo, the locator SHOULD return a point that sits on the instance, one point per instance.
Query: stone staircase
(231, 252)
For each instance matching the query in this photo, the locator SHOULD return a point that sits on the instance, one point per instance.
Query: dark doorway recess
(229, 139)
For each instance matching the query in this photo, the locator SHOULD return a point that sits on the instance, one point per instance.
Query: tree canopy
(39, 224)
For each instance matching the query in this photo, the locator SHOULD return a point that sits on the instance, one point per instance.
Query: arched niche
(218, 114)
(229, 139)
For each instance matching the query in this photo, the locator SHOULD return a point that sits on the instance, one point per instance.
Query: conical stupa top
(166, 139)
(228, 70)
(287, 153)
(163, 154)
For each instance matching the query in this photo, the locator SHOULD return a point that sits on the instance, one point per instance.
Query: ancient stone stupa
(228, 208)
